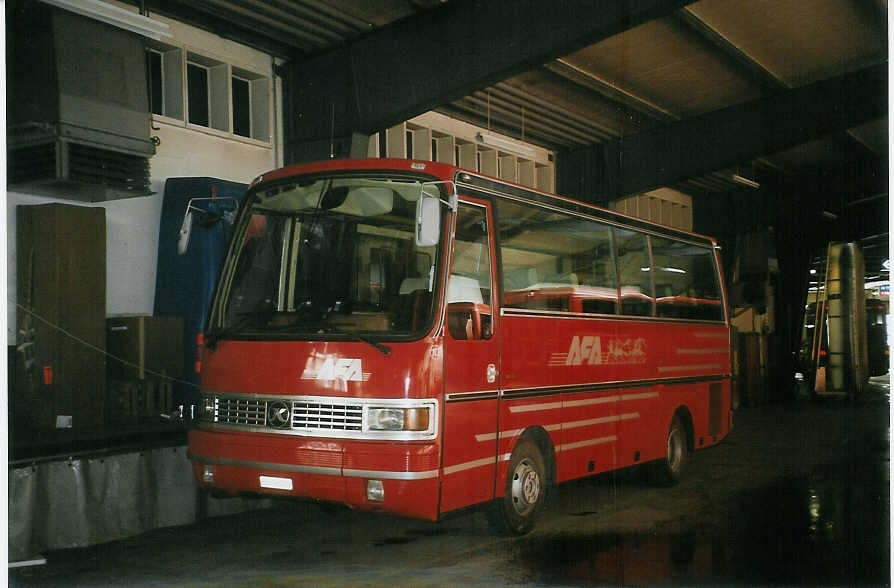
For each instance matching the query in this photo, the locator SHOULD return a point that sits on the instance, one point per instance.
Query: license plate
(276, 483)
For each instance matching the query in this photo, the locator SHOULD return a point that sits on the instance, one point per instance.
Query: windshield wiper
(380, 346)
(243, 320)
(363, 339)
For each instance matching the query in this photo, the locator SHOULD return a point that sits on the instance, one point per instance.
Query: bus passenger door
(471, 361)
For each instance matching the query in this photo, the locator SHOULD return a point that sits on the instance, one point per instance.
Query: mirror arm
(186, 224)
(189, 205)
(451, 201)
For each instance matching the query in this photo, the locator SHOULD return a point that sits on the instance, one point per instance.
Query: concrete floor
(798, 494)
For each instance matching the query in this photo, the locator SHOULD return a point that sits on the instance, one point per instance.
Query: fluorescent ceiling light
(115, 16)
(507, 145)
(745, 181)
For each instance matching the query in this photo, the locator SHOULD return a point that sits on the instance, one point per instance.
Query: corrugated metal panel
(81, 502)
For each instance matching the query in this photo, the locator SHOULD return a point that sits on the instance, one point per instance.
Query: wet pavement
(798, 494)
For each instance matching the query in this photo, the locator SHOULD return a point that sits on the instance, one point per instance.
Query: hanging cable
(89, 345)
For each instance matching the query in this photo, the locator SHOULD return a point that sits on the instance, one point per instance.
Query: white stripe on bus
(461, 467)
(535, 407)
(585, 402)
(587, 443)
(326, 471)
(390, 475)
(561, 426)
(488, 461)
(601, 420)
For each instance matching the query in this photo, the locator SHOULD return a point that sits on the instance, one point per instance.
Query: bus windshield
(328, 257)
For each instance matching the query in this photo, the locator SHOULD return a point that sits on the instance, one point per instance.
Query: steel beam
(688, 148)
(436, 56)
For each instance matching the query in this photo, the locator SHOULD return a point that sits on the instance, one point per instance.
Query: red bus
(413, 338)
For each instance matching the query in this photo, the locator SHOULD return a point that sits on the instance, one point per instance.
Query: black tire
(516, 512)
(668, 470)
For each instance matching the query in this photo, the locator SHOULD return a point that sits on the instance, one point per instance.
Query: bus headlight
(399, 419)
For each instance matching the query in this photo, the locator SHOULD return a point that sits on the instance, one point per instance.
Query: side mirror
(185, 231)
(186, 225)
(428, 221)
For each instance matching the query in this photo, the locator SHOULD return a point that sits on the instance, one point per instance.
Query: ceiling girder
(691, 147)
(419, 63)
(755, 69)
(608, 90)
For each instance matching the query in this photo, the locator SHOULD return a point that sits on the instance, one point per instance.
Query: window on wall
(198, 94)
(241, 107)
(216, 95)
(164, 80)
(250, 96)
(208, 92)
(154, 79)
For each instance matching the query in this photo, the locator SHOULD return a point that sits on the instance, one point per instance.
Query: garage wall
(184, 150)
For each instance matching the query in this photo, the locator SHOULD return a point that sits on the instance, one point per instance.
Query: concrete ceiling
(704, 57)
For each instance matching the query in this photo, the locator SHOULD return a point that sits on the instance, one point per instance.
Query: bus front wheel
(525, 490)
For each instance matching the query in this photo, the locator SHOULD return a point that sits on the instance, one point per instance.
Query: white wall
(132, 224)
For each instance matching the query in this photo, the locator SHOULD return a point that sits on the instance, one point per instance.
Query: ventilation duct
(78, 112)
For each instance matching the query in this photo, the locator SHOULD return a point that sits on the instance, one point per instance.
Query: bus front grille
(318, 416)
(238, 411)
(297, 415)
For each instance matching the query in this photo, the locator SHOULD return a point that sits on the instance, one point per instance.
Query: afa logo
(592, 350)
(587, 349)
(331, 368)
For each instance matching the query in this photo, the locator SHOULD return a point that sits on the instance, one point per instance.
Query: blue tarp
(185, 283)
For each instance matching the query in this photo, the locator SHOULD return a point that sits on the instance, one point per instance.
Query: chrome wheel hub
(525, 487)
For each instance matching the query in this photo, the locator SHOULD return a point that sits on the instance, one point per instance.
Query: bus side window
(554, 261)
(634, 273)
(469, 314)
(686, 284)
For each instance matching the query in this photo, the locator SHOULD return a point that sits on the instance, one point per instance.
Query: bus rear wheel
(525, 492)
(668, 470)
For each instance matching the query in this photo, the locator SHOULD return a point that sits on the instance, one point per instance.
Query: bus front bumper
(393, 477)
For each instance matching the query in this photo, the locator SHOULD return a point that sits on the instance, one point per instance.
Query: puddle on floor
(830, 528)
